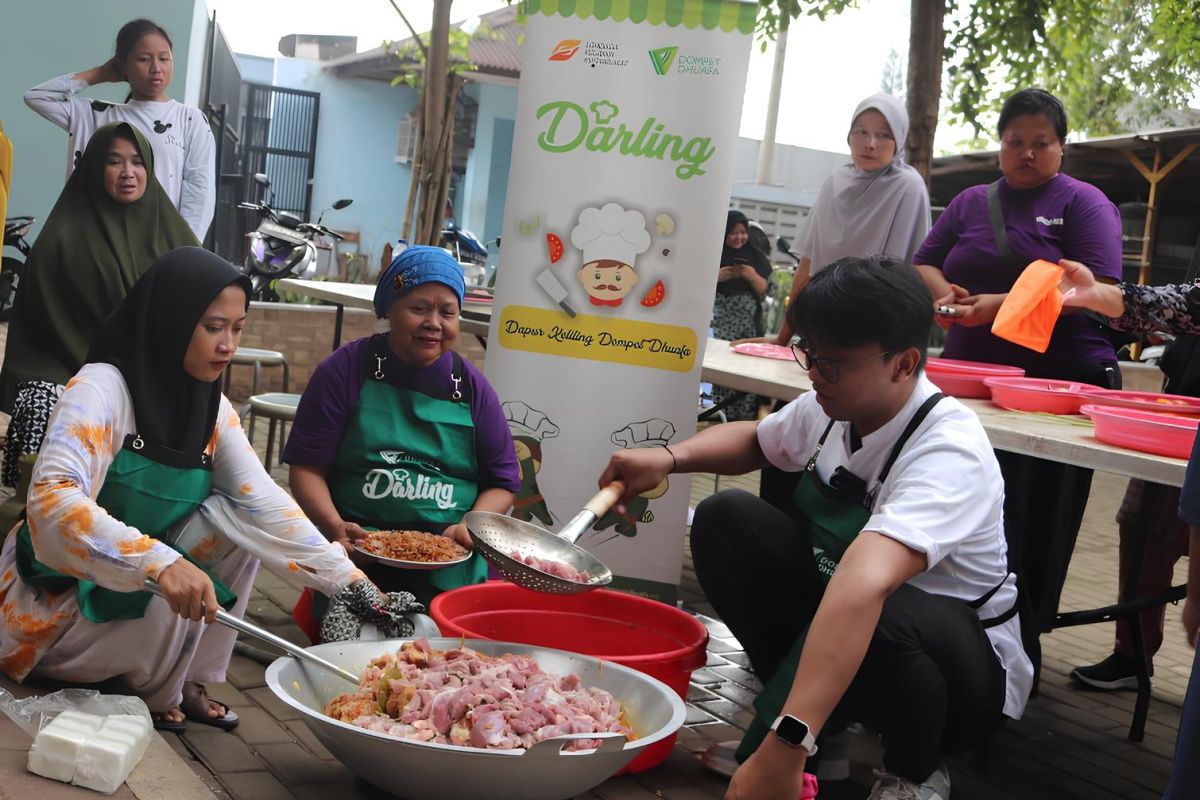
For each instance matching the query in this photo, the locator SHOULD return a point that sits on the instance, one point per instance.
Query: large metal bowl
(422, 770)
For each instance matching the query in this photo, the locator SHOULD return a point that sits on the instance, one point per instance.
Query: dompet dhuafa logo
(662, 58)
(565, 50)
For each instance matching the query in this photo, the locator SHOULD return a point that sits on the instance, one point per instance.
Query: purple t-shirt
(331, 399)
(1064, 218)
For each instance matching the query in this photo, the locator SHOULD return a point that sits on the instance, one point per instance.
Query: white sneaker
(719, 757)
(893, 787)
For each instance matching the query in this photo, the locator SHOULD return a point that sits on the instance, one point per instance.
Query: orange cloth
(1027, 316)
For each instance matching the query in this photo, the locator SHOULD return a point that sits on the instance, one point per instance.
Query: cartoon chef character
(529, 428)
(651, 433)
(610, 238)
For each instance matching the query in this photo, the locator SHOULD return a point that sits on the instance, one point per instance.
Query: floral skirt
(736, 316)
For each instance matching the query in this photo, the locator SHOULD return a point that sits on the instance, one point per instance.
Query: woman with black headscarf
(737, 309)
(145, 473)
(110, 223)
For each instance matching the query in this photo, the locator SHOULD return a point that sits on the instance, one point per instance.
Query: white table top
(1065, 439)
(475, 316)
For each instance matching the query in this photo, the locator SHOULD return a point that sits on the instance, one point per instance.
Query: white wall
(356, 147)
(479, 196)
(46, 38)
(797, 169)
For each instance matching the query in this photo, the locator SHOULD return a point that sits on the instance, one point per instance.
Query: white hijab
(858, 213)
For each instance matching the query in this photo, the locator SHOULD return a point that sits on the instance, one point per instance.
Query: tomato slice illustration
(655, 295)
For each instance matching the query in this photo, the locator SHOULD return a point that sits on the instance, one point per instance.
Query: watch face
(792, 731)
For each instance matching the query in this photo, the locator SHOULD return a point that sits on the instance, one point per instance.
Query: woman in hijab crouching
(145, 473)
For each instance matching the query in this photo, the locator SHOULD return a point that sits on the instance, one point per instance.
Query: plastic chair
(277, 407)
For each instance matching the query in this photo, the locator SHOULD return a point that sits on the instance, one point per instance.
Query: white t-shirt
(944, 497)
(183, 144)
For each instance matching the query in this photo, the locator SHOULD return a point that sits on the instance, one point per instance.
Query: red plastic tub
(965, 378)
(646, 635)
(1039, 394)
(1170, 435)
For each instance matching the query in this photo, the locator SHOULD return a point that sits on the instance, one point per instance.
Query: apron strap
(812, 462)
(981, 601)
(913, 424)
(996, 216)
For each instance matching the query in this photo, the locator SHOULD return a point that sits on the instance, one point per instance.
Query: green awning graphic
(728, 15)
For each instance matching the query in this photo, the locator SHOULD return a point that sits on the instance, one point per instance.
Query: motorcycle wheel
(10, 281)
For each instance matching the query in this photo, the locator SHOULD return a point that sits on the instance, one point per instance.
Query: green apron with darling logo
(833, 517)
(407, 462)
(147, 488)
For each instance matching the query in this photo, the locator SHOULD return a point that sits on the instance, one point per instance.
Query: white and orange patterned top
(75, 536)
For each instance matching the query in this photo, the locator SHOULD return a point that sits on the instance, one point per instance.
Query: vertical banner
(622, 165)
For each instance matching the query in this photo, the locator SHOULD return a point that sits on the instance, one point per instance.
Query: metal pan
(497, 536)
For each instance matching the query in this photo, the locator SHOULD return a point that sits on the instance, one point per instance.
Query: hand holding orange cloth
(1031, 309)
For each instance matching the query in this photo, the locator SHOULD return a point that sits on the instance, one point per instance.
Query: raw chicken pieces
(461, 697)
(552, 567)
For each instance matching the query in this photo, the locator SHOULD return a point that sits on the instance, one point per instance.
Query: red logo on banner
(565, 50)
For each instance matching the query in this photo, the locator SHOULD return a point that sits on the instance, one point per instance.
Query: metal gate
(280, 140)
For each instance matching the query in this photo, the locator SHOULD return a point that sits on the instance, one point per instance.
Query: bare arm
(799, 281)
(311, 491)
(729, 449)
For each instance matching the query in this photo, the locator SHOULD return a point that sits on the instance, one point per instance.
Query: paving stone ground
(1070, 744)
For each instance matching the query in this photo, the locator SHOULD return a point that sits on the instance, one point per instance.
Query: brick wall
(304, 334)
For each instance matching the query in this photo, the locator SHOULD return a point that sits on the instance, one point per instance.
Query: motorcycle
(470, 253)
(282, 244)
(11, 268)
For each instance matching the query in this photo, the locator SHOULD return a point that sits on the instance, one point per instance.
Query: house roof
(1101, 161)
(498, 56)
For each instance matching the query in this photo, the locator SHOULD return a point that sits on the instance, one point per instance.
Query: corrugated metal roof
(497, 54)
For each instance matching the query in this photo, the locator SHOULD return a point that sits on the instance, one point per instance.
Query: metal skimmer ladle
(497, 536)
(230, 621)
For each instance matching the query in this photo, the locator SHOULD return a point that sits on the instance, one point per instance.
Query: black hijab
(746, 254)
(148, 337)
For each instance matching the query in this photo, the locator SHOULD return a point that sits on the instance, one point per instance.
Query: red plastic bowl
(1155, 402)
(1145, 431)
(646, 635)
(973, 367)
(1038, 394)
(765, 350)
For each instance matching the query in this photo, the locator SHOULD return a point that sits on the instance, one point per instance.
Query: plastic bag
(1030, 311)
(87, 759)
(33, 713)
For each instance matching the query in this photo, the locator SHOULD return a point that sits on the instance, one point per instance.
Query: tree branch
(416, 36)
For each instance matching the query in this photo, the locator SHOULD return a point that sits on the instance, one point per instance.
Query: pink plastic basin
(646, 635)
(1038, 394)
(1145, 431)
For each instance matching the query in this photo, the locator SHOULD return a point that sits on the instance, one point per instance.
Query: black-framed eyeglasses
(830, 368)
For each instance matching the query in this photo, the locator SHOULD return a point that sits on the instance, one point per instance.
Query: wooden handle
(605, 499)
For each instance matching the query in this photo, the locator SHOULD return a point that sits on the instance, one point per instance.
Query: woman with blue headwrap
(398, 431)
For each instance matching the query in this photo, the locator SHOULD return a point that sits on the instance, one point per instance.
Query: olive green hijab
(88, 255)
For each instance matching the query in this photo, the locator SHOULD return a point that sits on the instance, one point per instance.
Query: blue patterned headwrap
(412, 267)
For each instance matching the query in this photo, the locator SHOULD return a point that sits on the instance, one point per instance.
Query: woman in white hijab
(874, 205)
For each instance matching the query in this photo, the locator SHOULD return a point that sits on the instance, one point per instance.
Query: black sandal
(195, 707)
(161, 723)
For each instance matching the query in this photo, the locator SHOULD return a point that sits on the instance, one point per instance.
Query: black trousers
(930, 683)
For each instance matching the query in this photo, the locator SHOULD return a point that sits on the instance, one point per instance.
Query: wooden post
(1154, 177)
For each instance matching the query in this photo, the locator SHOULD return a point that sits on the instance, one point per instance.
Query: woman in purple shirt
(971, 258)
(397, 431)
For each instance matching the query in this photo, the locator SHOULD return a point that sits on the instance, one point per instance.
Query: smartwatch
(795, 733)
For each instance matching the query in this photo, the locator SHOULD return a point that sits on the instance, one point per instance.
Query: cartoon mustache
(609, 287)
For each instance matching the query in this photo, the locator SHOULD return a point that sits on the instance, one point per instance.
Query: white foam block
(106, 759)
(57, 746)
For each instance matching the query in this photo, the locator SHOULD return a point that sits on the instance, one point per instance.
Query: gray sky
(831, 65)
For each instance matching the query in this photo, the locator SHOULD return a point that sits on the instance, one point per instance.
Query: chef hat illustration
(612, 233)
(526, 421)
(651, 433)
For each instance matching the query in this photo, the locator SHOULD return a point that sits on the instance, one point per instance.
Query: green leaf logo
(662, 58)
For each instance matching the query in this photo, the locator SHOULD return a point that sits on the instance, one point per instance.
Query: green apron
(407, 462)
(150, 489)
(833, 517)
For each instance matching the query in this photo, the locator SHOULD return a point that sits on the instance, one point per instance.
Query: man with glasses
(881, 594)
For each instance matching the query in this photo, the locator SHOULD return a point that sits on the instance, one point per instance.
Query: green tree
(1115, 64)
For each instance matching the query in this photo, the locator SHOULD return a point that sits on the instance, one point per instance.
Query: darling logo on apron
(400, 484)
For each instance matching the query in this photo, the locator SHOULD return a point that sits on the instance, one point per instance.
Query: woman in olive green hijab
(111, 222)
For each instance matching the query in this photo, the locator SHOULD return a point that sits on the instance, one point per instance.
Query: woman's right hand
(727, 274)
(189, 591)
(1081, 289)
(641, 469)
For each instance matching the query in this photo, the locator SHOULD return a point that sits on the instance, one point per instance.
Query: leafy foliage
(412, 54)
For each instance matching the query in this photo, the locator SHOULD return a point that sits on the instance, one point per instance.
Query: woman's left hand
(460, 534)
(727, 274)
(774, 772)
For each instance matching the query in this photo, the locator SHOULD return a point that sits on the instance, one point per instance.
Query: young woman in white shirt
(183, 144)
(883, 594)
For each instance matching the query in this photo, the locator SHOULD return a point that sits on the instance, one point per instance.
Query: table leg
(337, 326)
